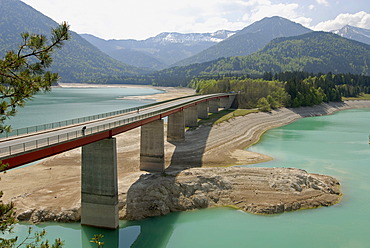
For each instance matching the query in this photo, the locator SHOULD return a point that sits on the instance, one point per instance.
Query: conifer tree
(22, 72)
(22, 75)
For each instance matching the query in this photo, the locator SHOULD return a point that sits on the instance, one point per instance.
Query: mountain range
(160, 51)
(249, 40)
(315, 52)
(271, 44)
(77, 61)
(174, 49)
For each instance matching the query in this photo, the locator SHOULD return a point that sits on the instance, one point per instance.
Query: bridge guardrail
(36, 144)
(44, 127)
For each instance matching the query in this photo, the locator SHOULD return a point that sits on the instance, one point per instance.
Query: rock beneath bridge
(254, 190)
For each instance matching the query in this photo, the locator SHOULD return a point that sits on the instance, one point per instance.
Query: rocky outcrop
(48, 214)
(254, 190)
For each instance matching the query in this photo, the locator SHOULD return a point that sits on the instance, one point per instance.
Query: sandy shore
(168, 92)
(53, 185)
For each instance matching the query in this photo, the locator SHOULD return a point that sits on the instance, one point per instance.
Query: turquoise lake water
(335, 145)
(68, 103)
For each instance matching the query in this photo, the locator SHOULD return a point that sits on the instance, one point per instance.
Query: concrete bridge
(99, 184)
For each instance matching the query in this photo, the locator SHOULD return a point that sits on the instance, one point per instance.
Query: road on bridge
(25, 148)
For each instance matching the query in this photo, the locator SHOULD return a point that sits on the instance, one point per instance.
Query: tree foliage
(249, 90)
(32, 240)
(290, 89)
(263, 105)
(22, 72)
(22, 75)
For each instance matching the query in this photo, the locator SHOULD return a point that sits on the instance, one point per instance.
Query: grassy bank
(362, 97)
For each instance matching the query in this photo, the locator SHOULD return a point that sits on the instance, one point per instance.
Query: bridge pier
(152, 147)
(203, 110)
(233, 103)
(191, 116)
(176, 127)
(227, 102)
(224, 102)
(99, 185)
(213, 106)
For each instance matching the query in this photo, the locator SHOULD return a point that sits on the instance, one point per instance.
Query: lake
(335, 145)
(69, 103)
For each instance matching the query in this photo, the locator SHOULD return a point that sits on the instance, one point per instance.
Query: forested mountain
(313, 52)
(354, 33)
(160, 51)
(77, 61)
(249, 40)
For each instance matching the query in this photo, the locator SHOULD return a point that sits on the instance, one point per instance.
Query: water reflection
(154, 232)
(110, 239)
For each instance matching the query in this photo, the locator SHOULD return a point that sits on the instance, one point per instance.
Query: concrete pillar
(152, 147)
(203, 110)
(191, 116)
(233, 102)
(176, 127)
(99, 185)
(224, 102)
(213, 106)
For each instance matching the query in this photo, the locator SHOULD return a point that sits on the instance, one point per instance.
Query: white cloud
(250, 3)
(323, 2)
(266, 8)
(140, 19)
(213, 24)
(305, 21)
(360, 19)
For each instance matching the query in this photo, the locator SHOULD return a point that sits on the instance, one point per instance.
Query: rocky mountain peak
(355, 33)
(174, 37)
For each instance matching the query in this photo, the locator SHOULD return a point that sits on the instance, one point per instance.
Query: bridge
(95, 134)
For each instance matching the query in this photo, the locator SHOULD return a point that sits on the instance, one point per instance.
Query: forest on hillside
(287, 89)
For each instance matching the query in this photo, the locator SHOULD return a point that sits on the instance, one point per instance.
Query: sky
(141, 19)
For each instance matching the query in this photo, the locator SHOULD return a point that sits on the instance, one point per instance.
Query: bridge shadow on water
(157, 231)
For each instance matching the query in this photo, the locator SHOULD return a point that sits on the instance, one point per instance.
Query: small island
(254, 190)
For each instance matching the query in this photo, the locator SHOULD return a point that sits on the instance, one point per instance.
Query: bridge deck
(26, 148)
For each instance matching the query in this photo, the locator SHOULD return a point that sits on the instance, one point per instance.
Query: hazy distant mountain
(77, 61)
(312, 52)
(191, 38)
(249, 40)
(160, 51)
(125, 55)
(354, 33)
